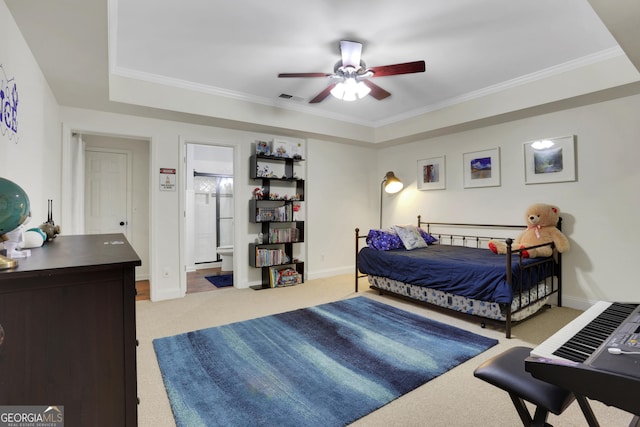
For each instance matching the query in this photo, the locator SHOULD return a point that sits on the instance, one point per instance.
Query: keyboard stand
(587, 411)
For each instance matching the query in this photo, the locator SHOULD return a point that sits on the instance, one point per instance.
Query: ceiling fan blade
(304, 75)
(351, 53)
(322, 95)
(392, 70)
(376, 91)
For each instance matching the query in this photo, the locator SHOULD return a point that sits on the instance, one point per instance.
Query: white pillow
(410, 236)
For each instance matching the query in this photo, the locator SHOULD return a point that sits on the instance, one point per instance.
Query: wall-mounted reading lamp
(390, 184)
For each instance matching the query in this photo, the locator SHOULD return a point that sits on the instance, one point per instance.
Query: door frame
(129, 212)
(149, 255)
(182, 195)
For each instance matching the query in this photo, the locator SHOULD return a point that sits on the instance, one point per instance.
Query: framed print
(550, 160)
(263, 148)
(431, 174)
(281, 148)
(482, 168)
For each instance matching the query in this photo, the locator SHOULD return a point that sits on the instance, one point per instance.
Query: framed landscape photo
(550, 160)
(482, 168)
(431, 174)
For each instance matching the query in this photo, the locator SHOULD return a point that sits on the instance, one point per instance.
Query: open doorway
(106, 190)
(209, 216)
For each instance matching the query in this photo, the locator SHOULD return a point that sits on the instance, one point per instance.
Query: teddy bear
(541, 228)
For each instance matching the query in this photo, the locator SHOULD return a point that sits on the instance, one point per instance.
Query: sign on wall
(8, 106)
(167, 179)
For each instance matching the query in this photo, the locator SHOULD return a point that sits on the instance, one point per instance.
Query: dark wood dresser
(68, 330)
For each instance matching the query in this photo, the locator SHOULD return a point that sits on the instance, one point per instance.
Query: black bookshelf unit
(281, 228)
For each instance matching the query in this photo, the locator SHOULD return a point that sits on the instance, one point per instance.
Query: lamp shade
(350, 90)
(391, 183)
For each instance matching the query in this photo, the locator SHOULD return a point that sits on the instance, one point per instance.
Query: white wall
(339, 199)
(336, 175)
(167, 141)
(32, 160)
(600, 209)
(335, 203)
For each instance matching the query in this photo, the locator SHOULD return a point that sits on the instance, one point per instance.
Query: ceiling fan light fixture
(338, 90)
(350, 90)
(362, 90)
(349, 96)
(350, 77)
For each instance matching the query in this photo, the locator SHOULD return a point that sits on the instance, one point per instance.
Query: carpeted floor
(326, 365)
(456, 398)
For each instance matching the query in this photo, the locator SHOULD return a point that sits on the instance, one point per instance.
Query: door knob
(122, 223)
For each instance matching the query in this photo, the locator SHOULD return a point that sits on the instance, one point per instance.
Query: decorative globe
(14, 206)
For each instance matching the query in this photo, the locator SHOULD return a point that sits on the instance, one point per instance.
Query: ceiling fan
(350, 77)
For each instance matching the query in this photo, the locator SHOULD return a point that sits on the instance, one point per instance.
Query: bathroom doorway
(209, 214)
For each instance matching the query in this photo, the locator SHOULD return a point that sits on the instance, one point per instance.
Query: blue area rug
(321, 366)
(221, 281)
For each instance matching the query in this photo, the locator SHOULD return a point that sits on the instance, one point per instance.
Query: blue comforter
(469, 272)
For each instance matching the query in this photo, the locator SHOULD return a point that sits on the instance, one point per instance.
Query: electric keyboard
(577, 357)
(581, 338)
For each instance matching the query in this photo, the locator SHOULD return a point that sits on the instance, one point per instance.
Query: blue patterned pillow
(383, 240)
(427, 237)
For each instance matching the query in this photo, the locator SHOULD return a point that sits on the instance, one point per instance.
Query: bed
(457, 272)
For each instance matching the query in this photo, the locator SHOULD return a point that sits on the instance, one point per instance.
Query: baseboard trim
(321, 274)
(577, 303)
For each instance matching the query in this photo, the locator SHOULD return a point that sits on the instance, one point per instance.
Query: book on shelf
(279, 213)
(284, 235)
(284, 276)
(267, 257)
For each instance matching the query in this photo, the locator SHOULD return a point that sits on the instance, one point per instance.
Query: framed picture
(431, 174)
(482, 168)
(281, 148)
(550, 160)
(263, 148)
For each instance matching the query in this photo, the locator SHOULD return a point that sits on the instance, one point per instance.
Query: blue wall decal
(8, 106)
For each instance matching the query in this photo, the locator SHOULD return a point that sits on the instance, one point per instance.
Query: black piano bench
(506, 371)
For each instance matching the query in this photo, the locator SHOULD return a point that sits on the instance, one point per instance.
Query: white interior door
(106, 192)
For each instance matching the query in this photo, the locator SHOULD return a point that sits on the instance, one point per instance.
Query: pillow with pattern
(383, 240)
(427, 237)
(410, 236)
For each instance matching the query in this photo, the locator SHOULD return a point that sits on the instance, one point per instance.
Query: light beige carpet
(456, 398)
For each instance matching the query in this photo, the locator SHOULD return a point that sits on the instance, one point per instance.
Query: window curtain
(76, 225)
